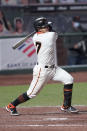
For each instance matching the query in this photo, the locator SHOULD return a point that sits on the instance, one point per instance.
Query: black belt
(51, 66)
(46, 66)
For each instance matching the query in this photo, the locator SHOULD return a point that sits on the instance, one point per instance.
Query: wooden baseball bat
(23, 40)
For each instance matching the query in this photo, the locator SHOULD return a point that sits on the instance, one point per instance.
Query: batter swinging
(45, 69)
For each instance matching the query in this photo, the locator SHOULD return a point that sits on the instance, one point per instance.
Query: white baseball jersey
(45, 44)
(44, 71)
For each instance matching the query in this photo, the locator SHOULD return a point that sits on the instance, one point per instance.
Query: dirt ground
(42, 118)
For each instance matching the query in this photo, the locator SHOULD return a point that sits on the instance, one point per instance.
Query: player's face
(44, 30)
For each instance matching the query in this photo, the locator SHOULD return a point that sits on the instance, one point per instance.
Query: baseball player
(45, 42)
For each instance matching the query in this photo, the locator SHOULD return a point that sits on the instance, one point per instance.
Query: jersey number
(38, 45)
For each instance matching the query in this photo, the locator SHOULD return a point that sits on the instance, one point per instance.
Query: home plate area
(43, 119)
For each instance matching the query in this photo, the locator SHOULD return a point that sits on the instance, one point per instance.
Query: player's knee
(70, 80)
(30, 95)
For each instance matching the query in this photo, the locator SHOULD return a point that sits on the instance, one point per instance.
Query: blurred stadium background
(60, 12)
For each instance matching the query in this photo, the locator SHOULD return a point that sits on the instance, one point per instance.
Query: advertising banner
(24, 57)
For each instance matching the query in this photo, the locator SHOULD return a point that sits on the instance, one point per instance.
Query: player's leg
(38, 82)
(64, 77)
(39, 79)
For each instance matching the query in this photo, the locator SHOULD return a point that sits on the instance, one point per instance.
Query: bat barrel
(23, 40)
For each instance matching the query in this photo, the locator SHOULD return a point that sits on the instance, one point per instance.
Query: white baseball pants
(42, 75)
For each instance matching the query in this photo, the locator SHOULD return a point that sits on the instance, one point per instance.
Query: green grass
(51, 95)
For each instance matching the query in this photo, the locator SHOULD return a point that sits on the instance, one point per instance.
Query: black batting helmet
(41, 22)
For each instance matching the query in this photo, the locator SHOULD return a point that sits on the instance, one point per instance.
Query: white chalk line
(48, 119)
(55, 119)
(44, 119)
(44, 125)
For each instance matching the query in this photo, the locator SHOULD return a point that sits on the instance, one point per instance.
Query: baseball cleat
(69, 109)
(12, 109)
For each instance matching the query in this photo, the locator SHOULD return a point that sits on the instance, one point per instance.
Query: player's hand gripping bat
(23, 40)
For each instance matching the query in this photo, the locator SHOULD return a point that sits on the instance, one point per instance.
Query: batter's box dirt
(43, 119)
